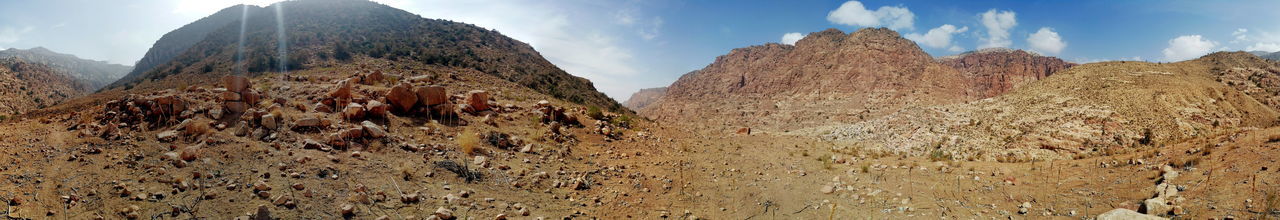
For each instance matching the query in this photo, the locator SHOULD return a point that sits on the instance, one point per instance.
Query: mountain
(31, 85)
(95, 74)
(327, 32)
(1088, 110)
(644, 97)
(830, 77)
(994, 71)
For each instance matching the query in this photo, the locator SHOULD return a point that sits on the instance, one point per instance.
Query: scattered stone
(377, 109)
(828, 189)
(189, 153)
(1024, 208)
(1156, 206)
(348, 210)
(343, 91)
(270, 121)
(167, 136)
(263, 213)
(444, 213)
(353, 111)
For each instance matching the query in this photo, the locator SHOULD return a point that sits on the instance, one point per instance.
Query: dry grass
(469, 141)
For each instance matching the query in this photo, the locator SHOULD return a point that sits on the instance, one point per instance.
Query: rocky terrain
(994, 71)
(28, 86)
(644, 97)
(862, 125)
(1093, 109)
(95, 74)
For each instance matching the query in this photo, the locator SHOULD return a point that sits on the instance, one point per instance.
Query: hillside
(95, 74)
(994, 71)
(644, 97)
(1089, 110)
(28, 85)
(330, 32)
(827, 77)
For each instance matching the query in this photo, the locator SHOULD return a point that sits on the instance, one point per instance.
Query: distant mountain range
(94, 74)
(1267, 55)
(31, 85)
(321, 32)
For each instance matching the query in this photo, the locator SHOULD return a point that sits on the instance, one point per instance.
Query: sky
(626, 45)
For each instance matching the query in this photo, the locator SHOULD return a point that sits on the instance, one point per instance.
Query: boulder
(343, 91)
(311, 122)
(1125, 214)
(374, 77)
(215, 113)
(270, 121)
(321, 107)
(229, 96)
(402, 97)
(431, 95)
(444, 110)
(373, 130)
(353, 111)
(444, 213)
(236, 107)
(478, 100)
(235, 84)
(377, 109)
(1156, 206)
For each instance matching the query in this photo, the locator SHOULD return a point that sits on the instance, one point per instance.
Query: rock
(828, 189)
(481, 161)
(347, 210)
(402, 97)
(527, 148)
(1156, 206)
(444, 110)
(377, 109)
(373, 77)
(237, 84)
(229, 96)
(321, 107)
(236, 107)
(478, 100)
(353, 111)
(263, 213)
(1125, 214)
(189, 153)
(352, 133)
(1024, 208)
(746, 131)
(343, 91)
(444, 213)
(270, 121)
(373, 130)
(995, 72)
(167, 136)
(431, 95)
(311, 122)
(215, 113)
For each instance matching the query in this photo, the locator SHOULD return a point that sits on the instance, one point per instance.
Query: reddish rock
(478, 100)
(402, 97)
(343, 90)
(353, 111)
(994, 71)
(377, 109)
(235, 84)
(431, 95)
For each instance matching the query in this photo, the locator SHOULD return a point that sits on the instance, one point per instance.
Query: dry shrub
(468, 141)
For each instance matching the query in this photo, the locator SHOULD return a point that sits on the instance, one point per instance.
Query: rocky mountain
(994, 71)
(328, 32)
(644, 97)
(831, 78)
(1088, 110)
(30, 85)
(95, 74)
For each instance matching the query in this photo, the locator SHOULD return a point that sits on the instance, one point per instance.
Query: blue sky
(626, 45)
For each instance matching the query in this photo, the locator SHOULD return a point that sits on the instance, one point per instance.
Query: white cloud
(1187, 47)
(1264, 46)
(9, 35)
(998, 24)
(855, 14)
(1046, 41)
(1240, 35)
(791, 38)
(939, 37)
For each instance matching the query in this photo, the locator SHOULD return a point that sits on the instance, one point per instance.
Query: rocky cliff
(995, 71)
(644, 97)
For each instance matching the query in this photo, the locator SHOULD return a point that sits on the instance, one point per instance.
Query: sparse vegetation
(469, 141)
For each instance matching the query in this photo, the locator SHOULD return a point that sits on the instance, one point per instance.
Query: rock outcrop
(827, 77)
(644, 97)
(994, 71)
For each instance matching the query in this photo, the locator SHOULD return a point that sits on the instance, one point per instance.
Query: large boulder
(373, 130)
(377, 109)
(431, 95)
(1126, 214)
(343, 91)
(478, 100)
(353, 111)
(1156, 206)
(402, 97)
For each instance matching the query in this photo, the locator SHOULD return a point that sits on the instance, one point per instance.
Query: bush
(595, 113)
(622, 121)
(3, 117)
(938, 155)
(468, 141)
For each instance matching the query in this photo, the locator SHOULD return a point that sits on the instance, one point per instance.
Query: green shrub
(595, 113)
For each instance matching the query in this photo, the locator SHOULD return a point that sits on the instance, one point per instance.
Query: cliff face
(827, 77)
(992, 72)
(644, 97)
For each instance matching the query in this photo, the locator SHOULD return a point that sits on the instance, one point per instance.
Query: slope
(95, 74)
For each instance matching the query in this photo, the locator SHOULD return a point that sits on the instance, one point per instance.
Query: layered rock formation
(644, 97)
(995, 71)
(827, 77)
